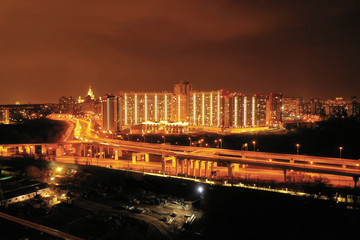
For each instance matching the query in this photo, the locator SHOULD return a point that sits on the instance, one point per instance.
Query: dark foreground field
(238, 212)
(227, 212)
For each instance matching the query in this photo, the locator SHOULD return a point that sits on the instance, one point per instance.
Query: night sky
(50, 48)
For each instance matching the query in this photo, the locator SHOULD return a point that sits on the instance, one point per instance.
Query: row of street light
(219, 144)
(192, 143)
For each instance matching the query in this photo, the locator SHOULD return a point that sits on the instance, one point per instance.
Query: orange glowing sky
(50, 48)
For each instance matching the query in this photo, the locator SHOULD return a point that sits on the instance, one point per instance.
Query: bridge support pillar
(236, 167)
(146, 157)
(27, 149)
(3, 151)
(59, 151)
(285, 175)
(118, 153)
(230, 171)
(78, 149)
(176, 166)
(101, 152)
(32, 149)
(43, 149)
(133, 158)
(20, 149)
(82, 150)
(188, 165)
(356, 179)
(163, 165)
(193, 164)
(182, 166)
(206, 169)
(201, 166)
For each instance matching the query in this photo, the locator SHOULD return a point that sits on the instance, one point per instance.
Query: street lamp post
(189, 140)
(297, 148)
(254, 145)
(340, 149)
(220, 140)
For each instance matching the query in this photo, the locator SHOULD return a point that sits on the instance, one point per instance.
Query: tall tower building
(259, 110)
(111, 113)
(273, 110)
(182, 93)
(90, 94)
(4, 116)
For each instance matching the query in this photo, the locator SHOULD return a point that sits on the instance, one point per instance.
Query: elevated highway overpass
(186, 160)
(191, 161)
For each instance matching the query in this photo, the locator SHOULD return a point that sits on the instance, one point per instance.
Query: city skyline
(50, 49)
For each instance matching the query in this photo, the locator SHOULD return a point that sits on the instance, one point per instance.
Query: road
(260, 165)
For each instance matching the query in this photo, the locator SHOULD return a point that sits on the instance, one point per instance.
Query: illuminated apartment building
(111, 113)
(4, 116)
(182, 93)
(259, 110)
(207, 109)
(186, 107)
(139, 107)
(248, 111)
(274, 110)
(242, 114)
(292, 108)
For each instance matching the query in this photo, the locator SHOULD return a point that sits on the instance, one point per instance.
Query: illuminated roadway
(264, 160)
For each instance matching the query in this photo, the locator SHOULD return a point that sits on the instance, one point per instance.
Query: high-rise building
(186, 107)
(248, 111)
(316, 106)
(208, 108)
(259, 110)
(273, 110)
(292, 108)
(182, 93)
(4, 116)
(111, 113)
(139, 107)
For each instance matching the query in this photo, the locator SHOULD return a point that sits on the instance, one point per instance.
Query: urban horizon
(119, 91)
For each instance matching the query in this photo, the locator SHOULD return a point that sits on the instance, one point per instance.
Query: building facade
(274, 110)
(190, 108)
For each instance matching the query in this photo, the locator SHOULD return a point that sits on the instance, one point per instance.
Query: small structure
(24, 193)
